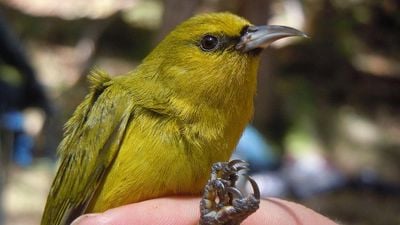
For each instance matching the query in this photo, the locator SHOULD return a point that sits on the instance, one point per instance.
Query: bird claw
(256, 190)
(223, 203)
(235, 162)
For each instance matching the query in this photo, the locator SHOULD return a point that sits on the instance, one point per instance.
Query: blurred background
(326, 130)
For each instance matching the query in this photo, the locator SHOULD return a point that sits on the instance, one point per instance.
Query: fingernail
(86, 219)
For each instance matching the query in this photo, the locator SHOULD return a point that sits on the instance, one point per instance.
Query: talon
(217, 166)
(234, 162)
(234, 191)
(239, 168)
(218, 184)
(256, 190)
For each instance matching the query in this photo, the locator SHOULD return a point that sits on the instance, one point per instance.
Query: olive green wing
(92, 139)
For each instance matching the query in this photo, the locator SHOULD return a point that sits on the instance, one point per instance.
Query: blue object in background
(13, 121)
(254, 149)
(22, 154)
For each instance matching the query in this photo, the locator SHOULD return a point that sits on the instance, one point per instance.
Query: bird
(157, 130)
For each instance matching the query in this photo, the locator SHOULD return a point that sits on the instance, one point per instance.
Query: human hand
(185, 211)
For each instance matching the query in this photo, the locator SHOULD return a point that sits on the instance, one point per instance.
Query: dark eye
(209, 43)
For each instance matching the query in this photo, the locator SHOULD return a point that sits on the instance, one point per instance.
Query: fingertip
(163, 211)
(88, 219)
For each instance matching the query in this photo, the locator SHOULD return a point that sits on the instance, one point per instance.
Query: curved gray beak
(262, 36)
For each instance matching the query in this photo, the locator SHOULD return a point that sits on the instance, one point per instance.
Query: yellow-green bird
(157, 130)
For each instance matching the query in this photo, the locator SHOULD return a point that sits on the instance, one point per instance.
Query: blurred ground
(355, 207)
(26, 192)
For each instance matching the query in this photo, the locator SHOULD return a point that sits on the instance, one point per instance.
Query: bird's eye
(209, 43)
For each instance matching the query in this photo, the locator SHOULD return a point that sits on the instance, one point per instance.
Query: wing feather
(92, 139)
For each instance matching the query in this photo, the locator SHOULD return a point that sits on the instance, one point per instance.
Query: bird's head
(213, 56)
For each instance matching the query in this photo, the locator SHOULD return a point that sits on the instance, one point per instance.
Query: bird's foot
(223, 203)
